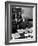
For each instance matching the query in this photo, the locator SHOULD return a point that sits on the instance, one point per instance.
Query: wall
(2, 23)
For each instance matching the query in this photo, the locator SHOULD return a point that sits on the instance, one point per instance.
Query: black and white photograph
(20, 22)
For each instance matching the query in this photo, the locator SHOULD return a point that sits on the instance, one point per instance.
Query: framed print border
(7, 20)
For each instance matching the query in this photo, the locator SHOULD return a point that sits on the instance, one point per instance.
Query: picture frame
(8, 27)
